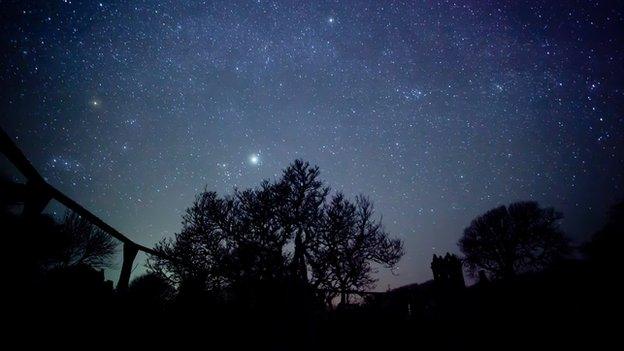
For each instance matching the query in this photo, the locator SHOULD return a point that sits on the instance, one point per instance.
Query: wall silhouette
(447, 271)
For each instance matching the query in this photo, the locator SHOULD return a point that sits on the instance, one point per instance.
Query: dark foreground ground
(575, 306)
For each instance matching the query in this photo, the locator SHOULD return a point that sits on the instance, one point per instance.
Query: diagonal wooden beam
(15, 155)
(45, 192)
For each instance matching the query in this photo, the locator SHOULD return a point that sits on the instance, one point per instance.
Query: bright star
(330, 20)
(254, 159)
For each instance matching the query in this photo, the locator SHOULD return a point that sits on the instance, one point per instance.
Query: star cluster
(437, 110)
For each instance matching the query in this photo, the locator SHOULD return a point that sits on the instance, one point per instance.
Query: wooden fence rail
(40, 193)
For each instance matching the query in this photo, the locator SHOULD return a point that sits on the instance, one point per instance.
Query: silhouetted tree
(225, 241)
(51, 264)
(42, 243)
(279, 233)
(513, 239)
(348, 241)
(82, 243)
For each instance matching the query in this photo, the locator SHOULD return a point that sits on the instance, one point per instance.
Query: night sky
(437, 110)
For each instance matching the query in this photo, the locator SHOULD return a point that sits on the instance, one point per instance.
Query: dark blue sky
(437, 110)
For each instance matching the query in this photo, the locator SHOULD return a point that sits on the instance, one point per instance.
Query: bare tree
(227, 240)
(348, 243)
(508, 240)
(278, 231)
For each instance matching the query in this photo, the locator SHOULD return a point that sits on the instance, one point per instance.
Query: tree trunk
(299, 266)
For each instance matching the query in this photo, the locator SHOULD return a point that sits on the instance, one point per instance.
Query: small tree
(348, 243)
(84, 244)
(508, 240)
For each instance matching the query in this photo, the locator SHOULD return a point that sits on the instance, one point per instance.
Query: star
(408, 110)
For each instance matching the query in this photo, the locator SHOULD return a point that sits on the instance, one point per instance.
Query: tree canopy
(508, 240)
(281, 230)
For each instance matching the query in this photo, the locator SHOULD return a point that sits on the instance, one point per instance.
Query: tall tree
(348, 243)
(508, 240)
(279, 230)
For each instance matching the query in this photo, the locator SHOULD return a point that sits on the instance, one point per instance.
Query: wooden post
(129, 254)
(36, 199)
